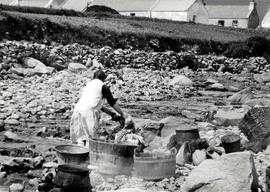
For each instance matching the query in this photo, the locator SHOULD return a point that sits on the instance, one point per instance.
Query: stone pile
(59, 56)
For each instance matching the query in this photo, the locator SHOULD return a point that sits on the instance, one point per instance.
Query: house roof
(266, 20)
(173, 5)
(125, 5)
(77, 5)
(228, 11)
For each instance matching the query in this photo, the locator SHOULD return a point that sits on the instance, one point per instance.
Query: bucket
(189, 134)
(73, 178)
(111, 159)
(231, 143)
(267, 179)
(154, 166)
(72, 154)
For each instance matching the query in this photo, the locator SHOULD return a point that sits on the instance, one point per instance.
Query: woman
(86, 115)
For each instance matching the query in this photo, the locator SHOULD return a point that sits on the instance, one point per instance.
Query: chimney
(252, 5)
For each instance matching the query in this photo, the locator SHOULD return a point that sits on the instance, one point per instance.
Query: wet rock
(181, 80)
(76, 67)
(95, 179)
(235, 168)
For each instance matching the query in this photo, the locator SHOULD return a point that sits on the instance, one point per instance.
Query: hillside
(119, 31)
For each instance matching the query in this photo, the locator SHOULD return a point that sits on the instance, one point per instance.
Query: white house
(141, 8)
(232, 13)
(266, 19)
(181, 10)
(77, 5)
(178, 10)
(35, 3)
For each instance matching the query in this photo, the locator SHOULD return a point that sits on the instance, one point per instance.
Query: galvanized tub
(111, 159)
(72, 178)
(72, 154)
(186, 134)
(154, 166)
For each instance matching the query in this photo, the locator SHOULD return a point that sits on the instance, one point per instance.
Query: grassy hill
(119, 31)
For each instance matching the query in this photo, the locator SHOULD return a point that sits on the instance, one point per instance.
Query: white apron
(85, 118)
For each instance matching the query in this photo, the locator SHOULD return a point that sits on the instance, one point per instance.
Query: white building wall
(242, 23)
(266, 20)
(198, 11)
(176, 16)
(137, 14)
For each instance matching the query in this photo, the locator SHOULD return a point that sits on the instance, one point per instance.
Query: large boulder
(234, 172)
(241, 97)
(228, 118)
(181, 80)
(76, 67)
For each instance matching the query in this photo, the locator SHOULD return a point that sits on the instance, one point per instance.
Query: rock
(34, 182)
(50, 70)
(50, 165)
(76, 67)
(16, 187)
(262, 78)
(183, 156)
(3, 174)
(34, 173)
(88, 63)
(232, 89)
(241, 97)
(40, 69)
(12, 122)
(95, 179)
(228, 118)
(2, 125)
(96, 64)
(258, 102)
(181, 80)
(198, 157)
(30, 62)
(10, 136)
(217, 87)
(18, 71)
(233, 172)
(131, 190)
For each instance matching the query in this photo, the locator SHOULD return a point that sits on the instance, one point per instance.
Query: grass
(155, 27)
(121, 31)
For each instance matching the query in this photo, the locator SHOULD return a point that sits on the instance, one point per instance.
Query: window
(221, 22)
(132, 14)
(194, 18)
(235, 23)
